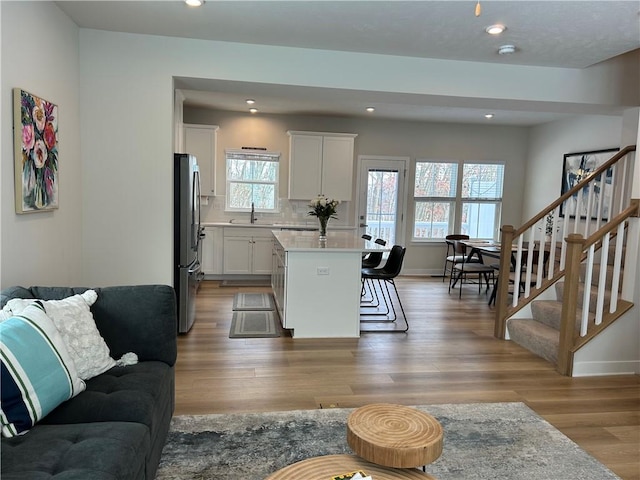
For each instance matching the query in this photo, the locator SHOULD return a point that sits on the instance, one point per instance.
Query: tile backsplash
(291, 211)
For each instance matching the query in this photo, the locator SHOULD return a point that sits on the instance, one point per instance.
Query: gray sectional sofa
(117, 427)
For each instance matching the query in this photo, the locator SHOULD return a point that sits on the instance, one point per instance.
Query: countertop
(337, 241)
(312, 226)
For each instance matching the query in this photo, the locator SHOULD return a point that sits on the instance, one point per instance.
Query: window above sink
(252, 178)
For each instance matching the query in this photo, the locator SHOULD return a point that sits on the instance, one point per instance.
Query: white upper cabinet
(200, 140)
(320, 163)
(305, 166)
(337, 167)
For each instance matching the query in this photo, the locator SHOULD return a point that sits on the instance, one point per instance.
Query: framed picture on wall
(578, 166)
(35, 125)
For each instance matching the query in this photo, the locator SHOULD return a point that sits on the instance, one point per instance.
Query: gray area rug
(253, 324)
(506, 441)
(253, 301)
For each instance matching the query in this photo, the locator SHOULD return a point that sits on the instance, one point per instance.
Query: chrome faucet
(253, 213)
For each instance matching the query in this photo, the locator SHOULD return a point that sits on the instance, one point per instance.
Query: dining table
(487, 248)
(480, 247)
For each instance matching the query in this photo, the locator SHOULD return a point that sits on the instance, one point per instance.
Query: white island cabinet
(317, 285)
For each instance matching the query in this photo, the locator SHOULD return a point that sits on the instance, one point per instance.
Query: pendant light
(478, 9)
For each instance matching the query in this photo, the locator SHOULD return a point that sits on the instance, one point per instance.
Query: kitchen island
(317, 284)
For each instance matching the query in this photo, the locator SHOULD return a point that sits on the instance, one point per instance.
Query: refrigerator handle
(194, 268)
(196, 220)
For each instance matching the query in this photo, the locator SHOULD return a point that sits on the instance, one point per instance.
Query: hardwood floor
(449, 355)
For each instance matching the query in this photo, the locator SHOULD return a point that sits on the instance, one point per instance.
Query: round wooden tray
(330, 466)
(394, 435)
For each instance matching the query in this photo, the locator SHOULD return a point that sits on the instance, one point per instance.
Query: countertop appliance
(188, 233)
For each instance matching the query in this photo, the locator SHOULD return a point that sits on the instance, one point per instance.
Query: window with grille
(252, 177)
(457, 197)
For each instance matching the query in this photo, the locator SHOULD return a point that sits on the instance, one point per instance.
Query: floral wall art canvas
(36, 152)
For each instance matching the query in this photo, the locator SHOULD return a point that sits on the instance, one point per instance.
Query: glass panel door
(381, 198)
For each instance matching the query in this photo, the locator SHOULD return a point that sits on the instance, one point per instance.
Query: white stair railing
(586, 208)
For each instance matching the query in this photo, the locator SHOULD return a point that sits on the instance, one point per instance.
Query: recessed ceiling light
(370, 109)
(253, 110)
(496, 29)
(250, 101)
(488, 115)
(506, 49)
(194, 3)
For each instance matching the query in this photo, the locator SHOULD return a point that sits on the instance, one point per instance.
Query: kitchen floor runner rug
(253, 324)
(506, 441)
(253, 301)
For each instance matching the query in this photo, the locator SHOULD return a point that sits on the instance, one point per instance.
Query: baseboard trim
(422, 272)
(597, 369)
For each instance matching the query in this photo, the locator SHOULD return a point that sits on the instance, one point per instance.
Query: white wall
(114, 224)
(417, 140)
(40, 55)
(126, 127)
(126, 94)
(549, 143)
(2, 122)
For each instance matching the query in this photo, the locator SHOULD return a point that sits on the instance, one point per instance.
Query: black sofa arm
(141, 318)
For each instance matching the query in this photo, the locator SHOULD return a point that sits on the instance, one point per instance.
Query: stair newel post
(568, 331)
(502, 294)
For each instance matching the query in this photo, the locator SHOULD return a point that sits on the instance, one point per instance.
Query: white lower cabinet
(247, 251)
(211, 252)
(262, 256)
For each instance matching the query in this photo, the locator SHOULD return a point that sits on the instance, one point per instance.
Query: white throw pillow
(74, 320)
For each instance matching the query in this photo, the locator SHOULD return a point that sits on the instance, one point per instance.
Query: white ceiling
(569, 34)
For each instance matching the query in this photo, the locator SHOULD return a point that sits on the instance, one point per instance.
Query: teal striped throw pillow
(37, 372)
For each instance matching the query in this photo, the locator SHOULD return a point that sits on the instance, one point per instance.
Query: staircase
(541, 333)
(581, 287)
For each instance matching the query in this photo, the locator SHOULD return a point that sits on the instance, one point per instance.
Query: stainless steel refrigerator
(186, 238)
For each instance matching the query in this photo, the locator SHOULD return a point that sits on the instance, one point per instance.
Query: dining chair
(367, 237)
(365, 256)
(371, 260)
(380, 279)
(374, 259)
(471, 266)
(456, 252)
